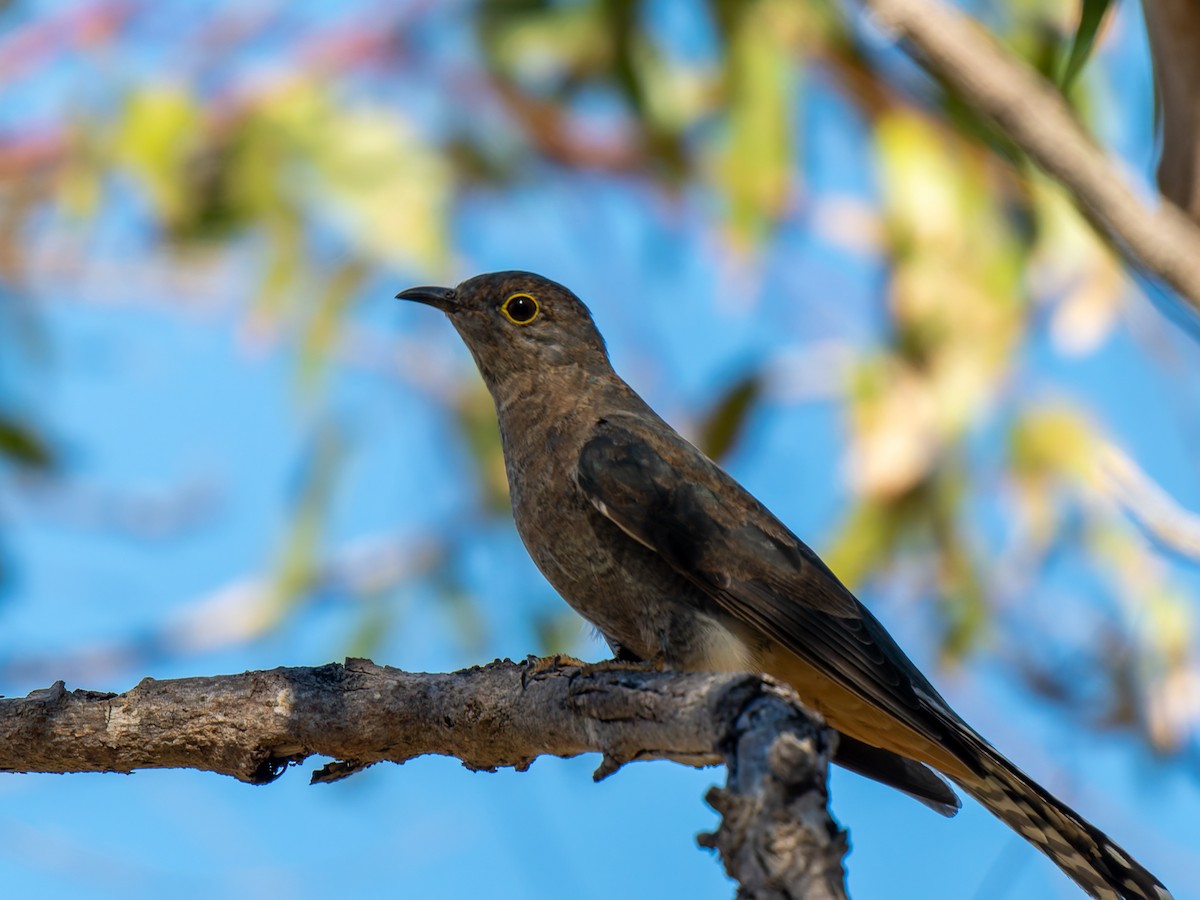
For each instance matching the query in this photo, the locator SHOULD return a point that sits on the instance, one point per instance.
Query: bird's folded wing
(716, 534)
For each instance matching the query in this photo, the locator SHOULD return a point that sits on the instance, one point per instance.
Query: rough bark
(1032, 113)
(776, 836)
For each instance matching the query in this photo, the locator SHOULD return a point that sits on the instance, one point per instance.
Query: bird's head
(518, 323)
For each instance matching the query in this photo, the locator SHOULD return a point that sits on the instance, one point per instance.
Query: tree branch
(1036, 118)
(1173, 27)
(776, 836)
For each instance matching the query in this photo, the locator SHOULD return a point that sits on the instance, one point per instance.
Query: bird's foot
(617, 664)
(539, 667)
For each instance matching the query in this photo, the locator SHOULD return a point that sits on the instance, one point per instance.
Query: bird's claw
(538, 667)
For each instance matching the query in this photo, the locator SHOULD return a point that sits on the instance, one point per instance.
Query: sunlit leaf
(545, 46)
(1075, 269)
(894, 439)
(154, 137)
(365, 167)
(388, 188)
(754, 170)
(1052, 442)
(674, 97)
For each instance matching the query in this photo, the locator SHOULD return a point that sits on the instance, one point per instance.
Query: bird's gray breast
(623, 588)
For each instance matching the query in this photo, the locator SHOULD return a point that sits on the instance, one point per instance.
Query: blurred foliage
(22, 446)
(23, 449)
(327, 169)
(724, 422)
(477, 420)
(1091, 15)
(297, 571)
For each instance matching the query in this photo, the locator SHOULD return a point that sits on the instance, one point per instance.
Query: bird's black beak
(438, 297)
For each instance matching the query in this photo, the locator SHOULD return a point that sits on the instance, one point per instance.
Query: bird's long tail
(1081, 850)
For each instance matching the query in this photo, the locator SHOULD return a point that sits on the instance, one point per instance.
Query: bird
(676, 564)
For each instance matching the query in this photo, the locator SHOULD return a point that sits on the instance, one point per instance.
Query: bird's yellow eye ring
(520, 309)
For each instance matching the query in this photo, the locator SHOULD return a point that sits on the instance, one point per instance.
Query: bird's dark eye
(520, 309)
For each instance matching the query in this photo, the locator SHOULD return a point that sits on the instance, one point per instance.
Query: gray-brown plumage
(672, 560)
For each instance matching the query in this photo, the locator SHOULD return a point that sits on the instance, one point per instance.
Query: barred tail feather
(1081, 850)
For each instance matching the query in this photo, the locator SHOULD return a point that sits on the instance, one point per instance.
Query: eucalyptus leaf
(20, 444)
(1090, 17)
(726, 420)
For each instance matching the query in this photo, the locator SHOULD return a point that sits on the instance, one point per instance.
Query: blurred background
(223, 446)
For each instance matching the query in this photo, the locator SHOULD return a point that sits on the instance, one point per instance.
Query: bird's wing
(716, 534)
(713, 532)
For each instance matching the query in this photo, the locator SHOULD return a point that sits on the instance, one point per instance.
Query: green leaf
(328, 317)
(19, 443)
(558, 631)
(754, 170)
(297, 569)
(373, 625)
(865, 541)
(158, 130)
(467, 620)
(1090, 17)
(724, 423)
(961, 598)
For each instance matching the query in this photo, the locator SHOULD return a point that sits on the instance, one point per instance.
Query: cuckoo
(676, 563)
